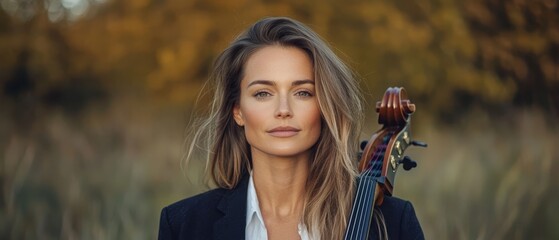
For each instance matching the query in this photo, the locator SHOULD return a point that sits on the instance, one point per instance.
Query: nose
(283, 109)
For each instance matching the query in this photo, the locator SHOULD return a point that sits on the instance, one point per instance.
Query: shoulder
(395, 205)
(196, 203)
(400, 219)
(197, 217)
(193, 212)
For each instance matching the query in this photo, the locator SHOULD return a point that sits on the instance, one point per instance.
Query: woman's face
(278, 106)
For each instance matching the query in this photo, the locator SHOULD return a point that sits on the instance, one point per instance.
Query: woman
(282, 137)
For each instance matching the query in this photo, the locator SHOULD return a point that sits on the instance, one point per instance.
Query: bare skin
(280, 186)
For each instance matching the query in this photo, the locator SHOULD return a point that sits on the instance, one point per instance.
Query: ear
(238, 115)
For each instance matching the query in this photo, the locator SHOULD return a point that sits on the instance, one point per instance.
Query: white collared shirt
(255, 228)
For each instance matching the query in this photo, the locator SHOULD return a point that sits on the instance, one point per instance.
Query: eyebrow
(272, 83)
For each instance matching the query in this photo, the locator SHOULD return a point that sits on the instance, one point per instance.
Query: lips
(283, 131)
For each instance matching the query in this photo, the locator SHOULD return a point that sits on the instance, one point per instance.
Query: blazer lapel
(233, 205)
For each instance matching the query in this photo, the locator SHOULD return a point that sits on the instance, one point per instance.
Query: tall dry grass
(486, 178)
(107, 173)
(102, 175)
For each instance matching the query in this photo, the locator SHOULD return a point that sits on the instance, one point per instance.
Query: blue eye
(261, 94)
(304, 93)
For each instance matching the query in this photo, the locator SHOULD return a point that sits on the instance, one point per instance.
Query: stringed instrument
(380, 159)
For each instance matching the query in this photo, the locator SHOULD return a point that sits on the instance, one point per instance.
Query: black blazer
(221, 214)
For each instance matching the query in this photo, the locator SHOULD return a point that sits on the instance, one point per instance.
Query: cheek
(252, 120)
(254, 117)
(317, 123)
(313, 119)
(254, 126)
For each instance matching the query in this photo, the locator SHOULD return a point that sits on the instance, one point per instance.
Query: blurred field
(96, 97)
(107, 177)
(486, 178)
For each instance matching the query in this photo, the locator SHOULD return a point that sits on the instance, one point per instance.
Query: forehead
(278, 63)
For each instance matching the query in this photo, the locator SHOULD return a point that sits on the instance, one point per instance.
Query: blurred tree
(449, 54)
(519, 41)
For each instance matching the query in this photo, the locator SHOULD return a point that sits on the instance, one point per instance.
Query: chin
(286, 152)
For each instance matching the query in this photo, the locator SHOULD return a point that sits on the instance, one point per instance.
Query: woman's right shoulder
(194, 212)
(206, 200)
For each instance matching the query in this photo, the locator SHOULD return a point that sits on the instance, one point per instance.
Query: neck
(280, 184)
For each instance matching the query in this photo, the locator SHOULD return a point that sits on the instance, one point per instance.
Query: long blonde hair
(331, 179)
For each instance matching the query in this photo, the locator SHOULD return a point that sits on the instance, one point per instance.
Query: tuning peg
(363, 144)
(408, 163)
(418, 143)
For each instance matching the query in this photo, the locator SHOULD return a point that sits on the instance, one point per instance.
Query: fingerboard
(363, 203)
